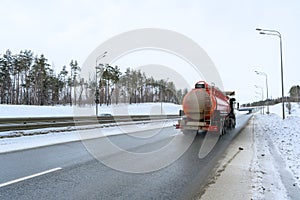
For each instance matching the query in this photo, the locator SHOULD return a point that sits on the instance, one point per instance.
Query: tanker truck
(207, 108)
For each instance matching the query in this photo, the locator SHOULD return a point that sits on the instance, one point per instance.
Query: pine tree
(295, 92)
(5, 81)
(74, 73)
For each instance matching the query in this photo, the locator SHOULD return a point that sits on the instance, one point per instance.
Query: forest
(28, 79)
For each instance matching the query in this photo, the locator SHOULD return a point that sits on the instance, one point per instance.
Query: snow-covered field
(11, 111)
(51, 136)
(277, 147)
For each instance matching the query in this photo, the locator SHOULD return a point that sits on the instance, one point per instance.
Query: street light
(276, 33)
(161, 97)
(97, 89)
(267, 88)
(262, 96)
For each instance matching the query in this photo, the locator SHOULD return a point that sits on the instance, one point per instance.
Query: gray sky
(66, 29)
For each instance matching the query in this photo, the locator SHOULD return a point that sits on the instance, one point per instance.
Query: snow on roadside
(276, 136)
(285, 135)
(266, 180)
(70, 134)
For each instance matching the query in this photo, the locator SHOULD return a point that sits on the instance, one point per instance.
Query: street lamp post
(161, 98)
(97, 88)
(267, 88)
(276, 33)
(262, 96)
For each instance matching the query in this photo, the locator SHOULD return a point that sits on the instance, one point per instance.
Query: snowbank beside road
(285, 135)
(51, 136)
(276, 165)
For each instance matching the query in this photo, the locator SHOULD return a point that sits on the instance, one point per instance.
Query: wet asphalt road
(83, 177)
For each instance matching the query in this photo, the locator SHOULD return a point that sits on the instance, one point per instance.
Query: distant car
(105, 115)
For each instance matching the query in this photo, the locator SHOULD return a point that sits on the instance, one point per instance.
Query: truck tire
(222, 128)
(218, 121)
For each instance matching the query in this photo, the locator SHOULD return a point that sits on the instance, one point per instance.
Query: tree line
(29, 79)
(293, 97)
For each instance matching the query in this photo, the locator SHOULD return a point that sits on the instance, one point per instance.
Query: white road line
(29, 177)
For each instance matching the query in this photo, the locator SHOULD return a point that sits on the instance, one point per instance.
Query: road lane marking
(29, 177)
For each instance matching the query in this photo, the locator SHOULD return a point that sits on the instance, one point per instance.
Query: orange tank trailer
(207, 108)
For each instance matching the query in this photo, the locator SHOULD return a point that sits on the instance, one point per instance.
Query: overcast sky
(64, 29)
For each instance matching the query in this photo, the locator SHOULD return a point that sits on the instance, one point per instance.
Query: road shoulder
(233, 179)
